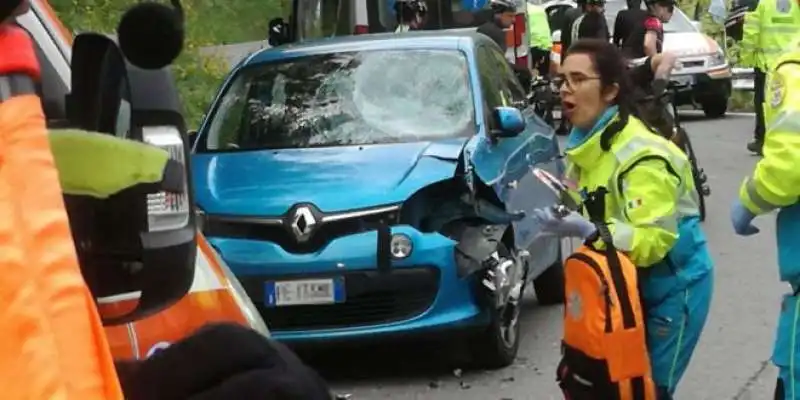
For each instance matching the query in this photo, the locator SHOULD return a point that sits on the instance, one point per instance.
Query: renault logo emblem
(303, 223)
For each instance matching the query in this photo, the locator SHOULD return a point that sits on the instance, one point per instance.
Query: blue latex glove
(572, 225)
(742, 219)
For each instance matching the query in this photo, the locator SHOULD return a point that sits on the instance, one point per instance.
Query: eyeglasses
(572, 81)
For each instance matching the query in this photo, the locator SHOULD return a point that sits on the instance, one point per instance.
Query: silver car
(703, 62)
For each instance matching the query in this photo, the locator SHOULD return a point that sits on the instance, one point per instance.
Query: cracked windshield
(400, 199)
(347, 98)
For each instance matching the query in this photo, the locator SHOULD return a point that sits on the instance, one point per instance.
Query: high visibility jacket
(650, 188)
(768, 32)
(538, 28)
(52, 345)
(775, 183)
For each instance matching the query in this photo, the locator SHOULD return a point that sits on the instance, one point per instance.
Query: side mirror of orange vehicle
(136, 248)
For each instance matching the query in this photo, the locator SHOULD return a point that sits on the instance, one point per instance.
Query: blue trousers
(786, 352)
(676, 297)
(673, 330)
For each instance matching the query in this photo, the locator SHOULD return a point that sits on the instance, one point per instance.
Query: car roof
(454, 39)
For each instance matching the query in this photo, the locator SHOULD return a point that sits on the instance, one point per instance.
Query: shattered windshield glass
(340, 99)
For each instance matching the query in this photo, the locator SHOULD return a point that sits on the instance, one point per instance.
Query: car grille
(372, 298)
(278, 234)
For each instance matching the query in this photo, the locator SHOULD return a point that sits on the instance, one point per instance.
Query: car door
(505, 164)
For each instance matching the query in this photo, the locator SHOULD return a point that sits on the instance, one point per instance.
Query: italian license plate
(304, 292)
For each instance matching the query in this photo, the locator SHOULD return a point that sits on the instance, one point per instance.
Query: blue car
(380, 185)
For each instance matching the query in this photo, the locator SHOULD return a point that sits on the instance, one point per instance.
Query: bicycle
(677, 134)
(543, 96)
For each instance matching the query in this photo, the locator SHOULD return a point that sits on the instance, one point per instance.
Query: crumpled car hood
(269, 182)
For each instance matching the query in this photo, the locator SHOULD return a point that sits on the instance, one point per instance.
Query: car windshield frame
(347, 98)
(680, 22)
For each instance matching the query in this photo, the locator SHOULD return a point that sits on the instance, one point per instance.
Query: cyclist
(503, 14)
(626, 20)
(410, 15)
(647, 40)
(585, 22)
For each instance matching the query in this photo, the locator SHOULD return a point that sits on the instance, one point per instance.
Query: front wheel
(700, 179)
(715, 107)
(497, 346)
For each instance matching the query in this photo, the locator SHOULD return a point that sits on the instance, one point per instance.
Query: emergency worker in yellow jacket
(775, 184)
(651, 205)
(540, 40)
(768, 32)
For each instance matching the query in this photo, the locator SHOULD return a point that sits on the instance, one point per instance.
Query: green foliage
(208, 22)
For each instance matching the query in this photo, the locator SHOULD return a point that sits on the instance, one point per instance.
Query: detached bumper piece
(373, 298)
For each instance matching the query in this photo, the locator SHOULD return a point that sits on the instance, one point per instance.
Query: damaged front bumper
(428, 291)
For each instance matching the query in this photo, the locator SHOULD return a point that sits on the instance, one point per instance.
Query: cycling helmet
(661, 2)
(501, 6)
(634, 4)
(408, 9)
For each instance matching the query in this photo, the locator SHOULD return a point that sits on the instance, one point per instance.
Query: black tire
(686, 146)
(491, 348)
(549, 286)
(715, 108)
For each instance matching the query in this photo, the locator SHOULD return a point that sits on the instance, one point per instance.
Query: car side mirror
(278, 32)
(136, 248)
(509, 121)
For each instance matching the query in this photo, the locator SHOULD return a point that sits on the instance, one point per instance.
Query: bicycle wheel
(697, 173)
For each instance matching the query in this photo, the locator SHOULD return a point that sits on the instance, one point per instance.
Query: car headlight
(715, 60)
(400, 246)
(166, 211)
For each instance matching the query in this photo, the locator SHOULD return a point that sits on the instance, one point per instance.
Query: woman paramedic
(650, 207)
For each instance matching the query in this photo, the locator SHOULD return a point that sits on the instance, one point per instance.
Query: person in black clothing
(591, 24)
(626, 20)
(504, 12)
(646, 40)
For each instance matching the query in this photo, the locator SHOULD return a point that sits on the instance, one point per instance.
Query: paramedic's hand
(222, 361)
(742, 219)
(572, 225)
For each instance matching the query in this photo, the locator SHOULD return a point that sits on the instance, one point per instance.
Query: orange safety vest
(52, 344)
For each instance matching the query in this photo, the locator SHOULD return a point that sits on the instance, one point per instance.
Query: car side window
(513, 93)
(490, 81)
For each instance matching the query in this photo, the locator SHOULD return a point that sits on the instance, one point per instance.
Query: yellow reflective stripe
(622, 236)
(624, 233)
(790, 29)
(688, 199)
(787, 121)
(757, 200)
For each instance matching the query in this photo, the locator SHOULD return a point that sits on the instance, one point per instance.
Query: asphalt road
(730, 363)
